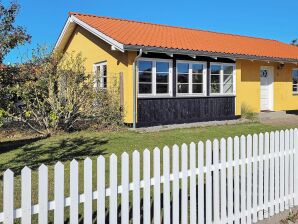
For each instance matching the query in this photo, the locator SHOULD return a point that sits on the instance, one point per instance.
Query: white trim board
(73, 20)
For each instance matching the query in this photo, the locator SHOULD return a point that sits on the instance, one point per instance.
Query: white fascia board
(62, 34)
(99, 34)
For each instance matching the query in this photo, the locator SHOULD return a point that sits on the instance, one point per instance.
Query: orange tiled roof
(135, 33)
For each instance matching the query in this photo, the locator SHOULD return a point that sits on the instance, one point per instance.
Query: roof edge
(74, 20)
(209, 54)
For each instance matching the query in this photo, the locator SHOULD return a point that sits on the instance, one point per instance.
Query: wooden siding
(161, 111)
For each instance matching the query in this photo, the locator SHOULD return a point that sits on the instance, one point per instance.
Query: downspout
(135, 89)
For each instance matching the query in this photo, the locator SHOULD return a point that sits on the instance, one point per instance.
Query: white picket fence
(238, 180)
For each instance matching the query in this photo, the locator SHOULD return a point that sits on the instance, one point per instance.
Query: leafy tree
(53, 92)
(11, 36)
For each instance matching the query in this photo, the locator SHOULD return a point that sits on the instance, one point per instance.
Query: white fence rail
(238, 180)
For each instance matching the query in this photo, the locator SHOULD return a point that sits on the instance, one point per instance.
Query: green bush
(247, 112)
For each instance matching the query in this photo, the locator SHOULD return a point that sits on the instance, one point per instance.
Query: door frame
(270, 86)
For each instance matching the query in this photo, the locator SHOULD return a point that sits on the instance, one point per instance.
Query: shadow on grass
(14, 144)
(49, 153)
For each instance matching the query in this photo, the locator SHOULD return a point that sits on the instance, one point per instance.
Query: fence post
(296, 166)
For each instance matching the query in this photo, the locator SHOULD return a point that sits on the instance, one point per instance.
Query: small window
(295, 80)
(222, 79)
(100, 79)
(191, 78)
(154, 77)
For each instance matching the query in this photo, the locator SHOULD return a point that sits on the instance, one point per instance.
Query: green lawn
(15, 154)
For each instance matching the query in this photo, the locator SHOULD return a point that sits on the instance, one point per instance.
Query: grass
(32, 152)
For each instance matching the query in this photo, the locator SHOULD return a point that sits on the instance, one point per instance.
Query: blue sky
(44, 19)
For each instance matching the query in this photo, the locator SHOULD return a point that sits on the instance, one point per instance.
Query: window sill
(221, 95)
(155, 96)
(295, 93)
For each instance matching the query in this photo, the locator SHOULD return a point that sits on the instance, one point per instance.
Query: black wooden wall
(162, 111)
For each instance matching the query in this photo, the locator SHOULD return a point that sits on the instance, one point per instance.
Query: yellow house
(179, 75)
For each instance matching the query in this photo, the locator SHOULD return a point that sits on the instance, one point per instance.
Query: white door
(266, 80)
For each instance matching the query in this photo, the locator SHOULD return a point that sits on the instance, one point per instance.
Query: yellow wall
(248, 86)
(95, 50)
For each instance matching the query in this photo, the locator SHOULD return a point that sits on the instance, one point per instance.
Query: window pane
(215, 69)
(182, 88)
(215, 79)
(182, 67)
(228, 88)
(295, 76)
(145, 88)
(162, 67)
(197, 68)
(228, 79)
(295, 88)
(162, 88)
(197, 78)
(145, 66)
(182, 78)
(145, 77)
(197, 88)
(228, 69)
(215, 88)
(162, 77)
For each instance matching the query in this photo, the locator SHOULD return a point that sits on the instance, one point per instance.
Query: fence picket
(156, 155)
(271, 175)
(74, 192)
(88, 190)
(223, 181)
(249, 178)
(276, 173)
(166, 185)
(266, 175)
(193, 195)
(287, 148)
(255, 178)
(236, 181)
(291, 175)
(184, 191)
(8, 192)
(59, 193)
(136, 187)
(208, 182)
(26, 195)
(101, 190)
(125, 188)
(201, 200)
(43, 194)
(296, 166)
(216, 204)
(176, 187)
(146, 189)
(230, 180)
(282, 171)
(243, 179)
(261, 177)
(113, 189)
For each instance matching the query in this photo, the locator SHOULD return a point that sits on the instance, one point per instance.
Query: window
(295, 80)
(222, 79)
(100, 73)
(191, 78)
(154, 77)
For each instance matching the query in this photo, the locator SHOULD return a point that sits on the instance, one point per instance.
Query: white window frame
(294, 92)
(190, 93)
(101, 81)
(222, 79)
(154, 94)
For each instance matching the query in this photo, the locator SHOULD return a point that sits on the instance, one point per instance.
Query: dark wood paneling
(163, 111)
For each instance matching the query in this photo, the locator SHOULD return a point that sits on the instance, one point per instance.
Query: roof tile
(130, 32)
